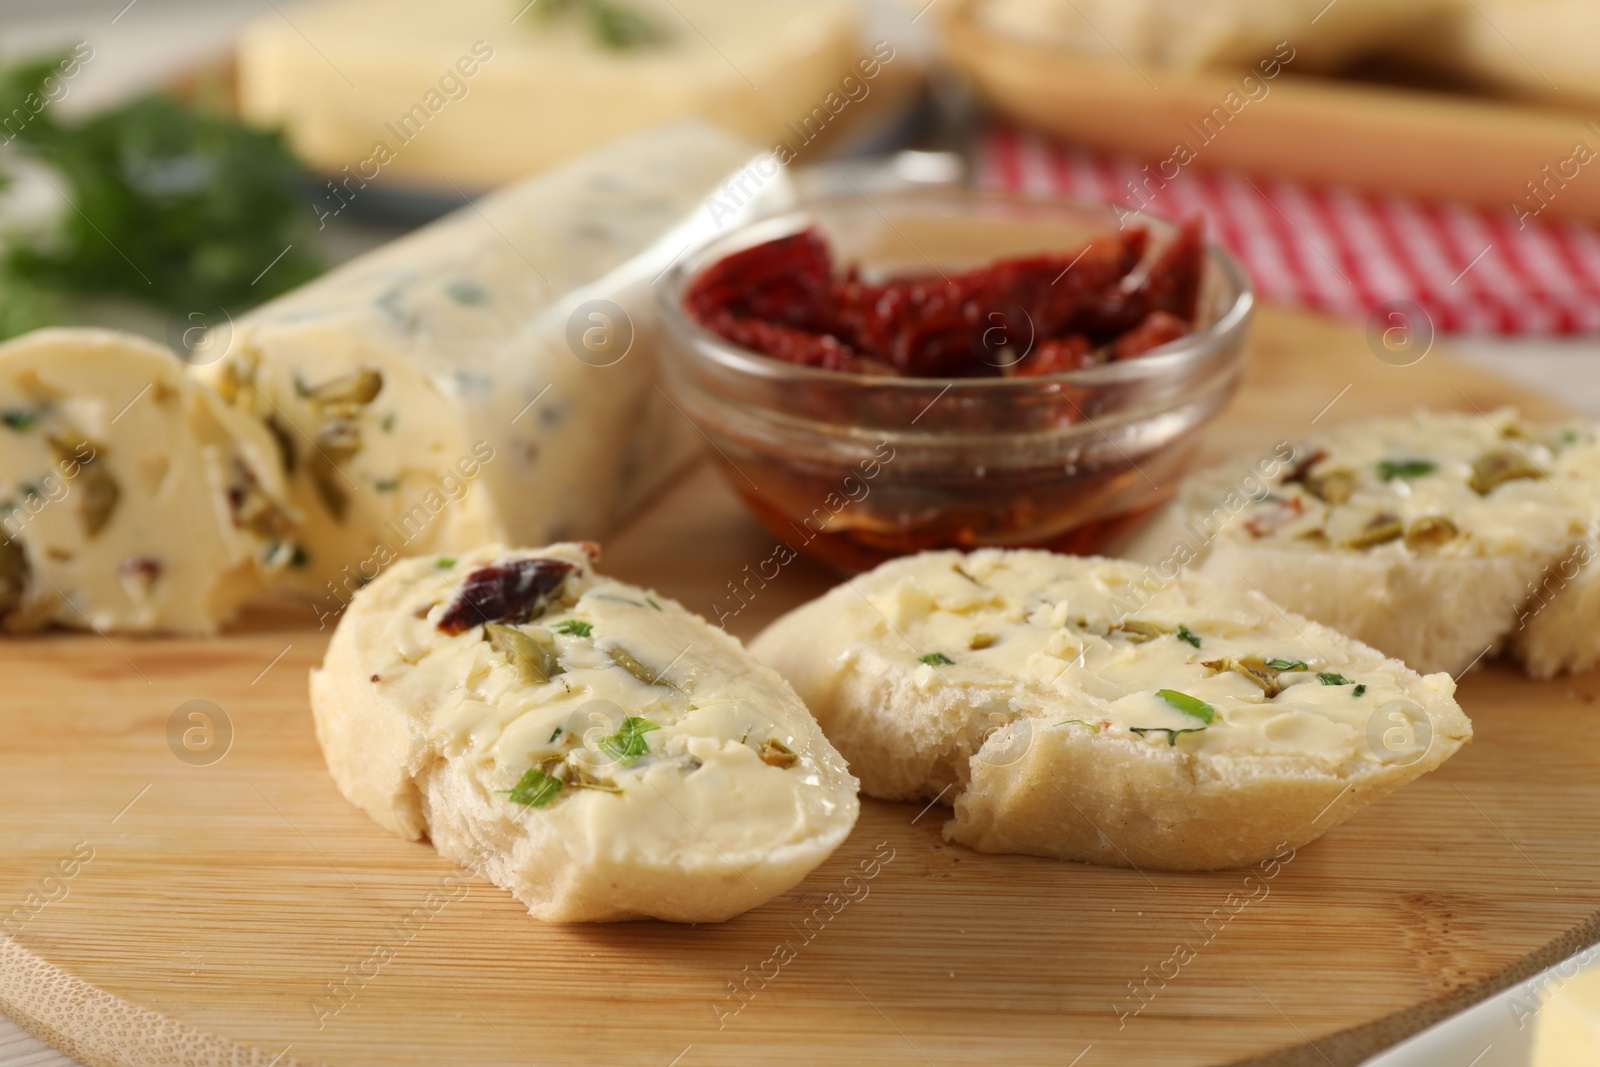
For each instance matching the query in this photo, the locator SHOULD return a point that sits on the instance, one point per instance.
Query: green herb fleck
(937, 659)
(555, 735)
(628, 743)
(29, 492)
(536, 789)
(386, 485)
(1279, 664)
(1333, 678)
(20, 420)
(1081, 722)
(1186, 634)
(1358, 691)
(1389, 470)
(388, 423)
(1188, 705)
(574, 628)
(444, 563)
(469, 293)
(1172, 735)
(652, 602)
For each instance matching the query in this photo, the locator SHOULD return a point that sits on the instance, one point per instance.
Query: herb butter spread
(491, 376)
(1018, 684)
(1445, 485)
(544, 710)
(1436, 538)
(130, 499)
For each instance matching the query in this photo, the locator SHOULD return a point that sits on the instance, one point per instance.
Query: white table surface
(140, 43)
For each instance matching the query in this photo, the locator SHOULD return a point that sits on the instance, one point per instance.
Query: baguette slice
(130, 498)
(1422, 536)
(1067, 708)
(601, 753)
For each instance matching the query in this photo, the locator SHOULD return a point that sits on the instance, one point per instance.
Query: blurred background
(1428, 166)
(1420, 164)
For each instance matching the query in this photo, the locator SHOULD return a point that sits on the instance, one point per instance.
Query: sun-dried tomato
(1029, 315)
(504, 592)
(1157, 329)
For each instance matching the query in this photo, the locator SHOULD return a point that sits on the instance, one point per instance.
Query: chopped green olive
(777, 754)
(1262, 674)
(1138, 631)
(1332, 487)
(100, 495)
(1379, 530)
(536, 663)
(628, 662)
(1430, 532)
(14, 575)
(1493, 469)
(358, 387)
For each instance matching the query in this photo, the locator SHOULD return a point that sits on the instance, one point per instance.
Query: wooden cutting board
(1438, 145)
(218, 902)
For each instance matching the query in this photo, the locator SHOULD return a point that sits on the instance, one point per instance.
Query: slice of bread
(596, 750)
(1423, 536)
(1069, 707)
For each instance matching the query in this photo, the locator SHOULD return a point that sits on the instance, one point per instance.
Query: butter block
(490, 377)
(485, 92)
(1567, 1032)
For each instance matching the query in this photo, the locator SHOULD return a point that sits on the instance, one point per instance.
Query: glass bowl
(854, 469)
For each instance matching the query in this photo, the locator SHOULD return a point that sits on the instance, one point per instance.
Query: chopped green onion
(1188, 705)
(1172, 735)
(1389, 470)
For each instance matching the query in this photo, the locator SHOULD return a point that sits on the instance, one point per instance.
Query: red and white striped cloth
(1342, 251)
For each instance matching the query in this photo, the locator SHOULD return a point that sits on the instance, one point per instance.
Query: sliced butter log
(598, 751)
(1422, 536)
(130, 498)
(1067, 710)
(490, 377)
